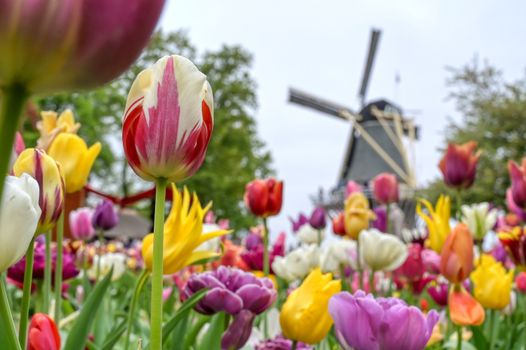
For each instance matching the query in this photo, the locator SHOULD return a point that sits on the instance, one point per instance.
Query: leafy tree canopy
(493, 114)
(235, 155)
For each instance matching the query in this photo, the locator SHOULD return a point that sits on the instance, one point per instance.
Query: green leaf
(113, 337)
(479, 338)
(191, 338)
(212, 338)
(182, 312)
(79, 332)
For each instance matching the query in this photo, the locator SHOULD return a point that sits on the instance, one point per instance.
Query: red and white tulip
(168, 120)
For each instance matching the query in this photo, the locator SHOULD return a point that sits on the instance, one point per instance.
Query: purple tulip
(105, 217)
(296, 224)
(280, 343)
(80, 224)
(380, 223)
(365, 323)
(317, 219)
(253, 241)
(231, 290)
(253, 256)
(239, 331)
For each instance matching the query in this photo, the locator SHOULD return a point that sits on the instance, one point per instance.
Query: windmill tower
(381, 139)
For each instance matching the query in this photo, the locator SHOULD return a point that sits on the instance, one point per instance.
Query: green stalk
(319, 237)
(156, 321)
(266, 260)
(47, 275)
(459, 338)
(58, 268)
(294, 345)
(343, 278)
(371, 282)
(28, 281)
(7, 319)
(387, 222)
(359, 264)
(99, 254)
(12, 101)
(491, 328)
(141, 281)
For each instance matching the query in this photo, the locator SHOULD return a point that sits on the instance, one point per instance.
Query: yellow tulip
(356, 214)
(183, 233)
(51, 125)
(48, 174)
(492, 284)
(437, 221)
(305, 315)
(75, 158)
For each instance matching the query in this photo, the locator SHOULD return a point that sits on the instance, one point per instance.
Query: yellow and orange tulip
(357, 214)
(437, 221)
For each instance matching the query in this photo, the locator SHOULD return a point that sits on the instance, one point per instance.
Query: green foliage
(493, 114)
(235, 155)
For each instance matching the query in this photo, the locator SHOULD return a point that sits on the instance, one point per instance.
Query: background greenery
(235, 155)
(493, 114)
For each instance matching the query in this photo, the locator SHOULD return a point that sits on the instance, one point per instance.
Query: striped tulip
(50, 179)
(68, 44)
(168, 120)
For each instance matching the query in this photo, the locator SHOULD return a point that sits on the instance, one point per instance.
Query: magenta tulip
(385, 188)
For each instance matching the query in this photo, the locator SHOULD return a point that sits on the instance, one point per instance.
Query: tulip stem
(28, 281)
(58, 268)
(459, 338)
(6, 319)
(294, 345)
(156, 321)
(141, 281)
(343, 278)
(359, 264)
(47, 275)
(12, 101)
(266, 260)
(387, 222)
(371, 282)
(99, 254)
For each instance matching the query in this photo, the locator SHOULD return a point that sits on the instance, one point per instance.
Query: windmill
(380, 139)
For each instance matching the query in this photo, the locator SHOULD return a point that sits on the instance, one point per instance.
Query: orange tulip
(464, 310)
(456, 261)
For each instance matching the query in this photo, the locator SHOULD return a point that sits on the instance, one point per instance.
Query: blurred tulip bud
(518, 182)
(19, 215)
(520, 282)
(55, 45)
(296, 224)
(357, 214)
(459, 165)
(48, 174)
(43, 333)
(264, 198)
(338, 224)
(352, 187)
(317, 218)
(75, 158)
(464, 310)
(385, 188)
(80, 224)
(168, 120)
(105, 217)
(456, 260)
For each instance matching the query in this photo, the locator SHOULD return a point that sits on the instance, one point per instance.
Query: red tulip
(413, 268)
(338, 224)
(520, 281)
(264, 197)
(459, 164)
(456, 260)
(385, 188)
(168, 120)
(43, 333)
(69, 44)
(518, 182)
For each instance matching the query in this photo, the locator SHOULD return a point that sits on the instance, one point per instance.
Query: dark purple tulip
(439, 293)
(253, 255)
(381, 219)
(317, 219)
(105, 217)
(296, 224)
(365, 323)
(239, 331)
(231, 290)
(253, 240)
(280, 343)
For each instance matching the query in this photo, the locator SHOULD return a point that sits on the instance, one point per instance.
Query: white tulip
(380, 251)
(297, 264)
(212, 245)
(107, 261)
(309, 235)
(479, 218)
(19, 214)
(338, 253)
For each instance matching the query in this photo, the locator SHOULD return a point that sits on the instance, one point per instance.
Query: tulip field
(356, 277)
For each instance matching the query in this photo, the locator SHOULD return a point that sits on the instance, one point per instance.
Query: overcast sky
(320, 47)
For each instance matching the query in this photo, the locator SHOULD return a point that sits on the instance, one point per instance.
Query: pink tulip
(352, 187)
(518, 184)
(385, 188)
(69, 44)
(168, 120)
(80, 224)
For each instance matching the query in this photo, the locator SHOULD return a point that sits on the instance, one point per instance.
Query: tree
(493, 115)
(235, 155)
